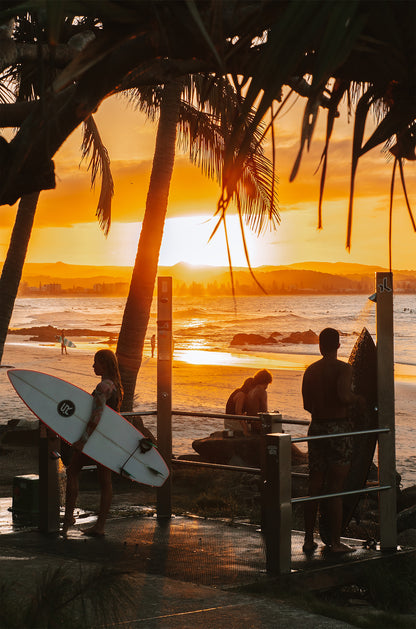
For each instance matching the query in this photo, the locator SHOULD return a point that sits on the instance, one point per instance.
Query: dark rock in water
(406, 519)
(220, 448)
(48, 333)
(252, 339)
(296, 338)
(308, 338)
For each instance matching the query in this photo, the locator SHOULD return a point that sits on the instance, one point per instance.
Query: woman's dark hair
(263, 377)
(109, 360)
(247, 385)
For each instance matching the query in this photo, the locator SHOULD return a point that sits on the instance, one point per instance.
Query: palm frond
(147, 100)
(338, 92)
(246, 252)
(409, 209)
(359, 126)
(310, 117)
(194, 12)
(99, 163)
(393, 176)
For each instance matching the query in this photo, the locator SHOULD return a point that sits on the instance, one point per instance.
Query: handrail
(340, 434)
(255, 418)
(136, 413)
(218, 466)
(251, 418)
(351, 492)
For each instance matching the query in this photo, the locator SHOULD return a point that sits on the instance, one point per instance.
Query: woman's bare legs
(104, 477)
(72, 484)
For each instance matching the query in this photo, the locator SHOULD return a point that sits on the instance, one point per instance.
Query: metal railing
(278, 500)
(276, 472)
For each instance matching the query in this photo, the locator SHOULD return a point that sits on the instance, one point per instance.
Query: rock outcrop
(309, 337)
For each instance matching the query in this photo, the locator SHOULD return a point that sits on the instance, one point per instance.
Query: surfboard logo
(66, 408)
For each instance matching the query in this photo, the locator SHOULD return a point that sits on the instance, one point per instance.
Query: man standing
(327, 394)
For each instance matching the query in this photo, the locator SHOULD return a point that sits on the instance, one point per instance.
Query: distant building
(52, 288)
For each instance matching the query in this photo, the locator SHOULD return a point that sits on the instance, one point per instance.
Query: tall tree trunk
(137, 310)
(15, 259)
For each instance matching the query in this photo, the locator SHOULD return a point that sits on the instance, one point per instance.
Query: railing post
(277, 507)
(385, 388)
(49, 497)
(164, 390)
(271, 422)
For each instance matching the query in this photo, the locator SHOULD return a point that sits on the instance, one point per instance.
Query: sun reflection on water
(260, 361)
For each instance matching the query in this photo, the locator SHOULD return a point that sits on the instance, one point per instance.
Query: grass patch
(220, 494)
(393, 587)
(67, 598)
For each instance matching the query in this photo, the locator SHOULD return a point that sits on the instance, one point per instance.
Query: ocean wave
(193, 313)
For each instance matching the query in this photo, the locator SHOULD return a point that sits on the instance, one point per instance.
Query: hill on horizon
(184, 271)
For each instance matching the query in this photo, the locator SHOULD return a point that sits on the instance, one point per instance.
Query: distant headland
(53, 279)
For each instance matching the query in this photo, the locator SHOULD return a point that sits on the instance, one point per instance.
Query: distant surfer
(236, 405)
(153, 343)
(327, 394)
(108, 392)
(63, 345)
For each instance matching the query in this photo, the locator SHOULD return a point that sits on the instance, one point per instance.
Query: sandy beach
(195, 387)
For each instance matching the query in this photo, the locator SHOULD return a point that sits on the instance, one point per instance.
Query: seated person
(256, 398)
(236, 406)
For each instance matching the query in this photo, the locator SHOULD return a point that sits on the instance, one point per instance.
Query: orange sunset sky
(66, 229)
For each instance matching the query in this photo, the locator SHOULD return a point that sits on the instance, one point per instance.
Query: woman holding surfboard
(108, 392)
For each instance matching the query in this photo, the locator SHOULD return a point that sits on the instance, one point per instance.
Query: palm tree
(26, 81)
(207, 128)
(137, 309)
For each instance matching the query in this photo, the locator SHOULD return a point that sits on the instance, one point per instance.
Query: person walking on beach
(236, 406)
(153, 343)
(256, 399)
(327, 394)
(63, 346)
(108, 392)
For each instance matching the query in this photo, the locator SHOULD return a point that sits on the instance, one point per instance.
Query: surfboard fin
(125, 474)
(155, 472)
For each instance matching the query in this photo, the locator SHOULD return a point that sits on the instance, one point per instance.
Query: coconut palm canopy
(358, 51)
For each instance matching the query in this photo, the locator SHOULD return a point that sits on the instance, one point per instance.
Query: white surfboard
(67, 342)
(115, 442)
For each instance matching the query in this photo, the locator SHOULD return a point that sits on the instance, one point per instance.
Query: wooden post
(386, 412)
(164, 389)
(277, 502)
(49, 496)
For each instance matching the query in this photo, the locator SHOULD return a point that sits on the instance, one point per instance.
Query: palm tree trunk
(15, 259)
(137, 310)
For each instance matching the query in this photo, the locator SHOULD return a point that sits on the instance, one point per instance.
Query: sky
(66, 230)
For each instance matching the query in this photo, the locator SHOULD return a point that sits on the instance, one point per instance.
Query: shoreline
(234, 357)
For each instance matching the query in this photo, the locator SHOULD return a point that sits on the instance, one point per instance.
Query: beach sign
(115, 443)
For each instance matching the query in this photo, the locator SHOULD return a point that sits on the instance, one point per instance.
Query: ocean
(209, 323)
(203, 328)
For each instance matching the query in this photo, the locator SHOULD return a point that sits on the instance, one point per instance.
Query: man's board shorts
(323, 452)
